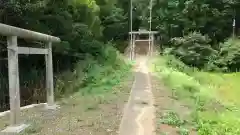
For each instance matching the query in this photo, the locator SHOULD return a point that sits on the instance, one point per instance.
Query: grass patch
(213, 111)
(226, 86)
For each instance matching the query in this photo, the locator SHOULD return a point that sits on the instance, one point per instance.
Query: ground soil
(79, 115)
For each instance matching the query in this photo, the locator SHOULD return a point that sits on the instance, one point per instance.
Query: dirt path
(139, 112)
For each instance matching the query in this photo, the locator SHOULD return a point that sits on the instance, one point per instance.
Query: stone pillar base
(13, 130)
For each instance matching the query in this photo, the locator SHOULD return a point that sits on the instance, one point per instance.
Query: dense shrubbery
(91, 72)
(84, 26)
(175, 63)
(176, 22)
(229, 55)
(174, 18)
(193, 49)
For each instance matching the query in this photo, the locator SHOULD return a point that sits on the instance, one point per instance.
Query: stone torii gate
(12, 34)
(134, 39)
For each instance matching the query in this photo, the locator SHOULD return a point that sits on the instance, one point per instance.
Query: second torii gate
(133, 41)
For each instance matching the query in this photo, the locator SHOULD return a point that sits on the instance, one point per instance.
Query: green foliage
(173, 18)
(229, 57)
(193, 49)
(172, 61)
(176, 21)
(115, 22)
(209, 112)
(84, 26)
(76, 22)
(183, 131)
(91, 73)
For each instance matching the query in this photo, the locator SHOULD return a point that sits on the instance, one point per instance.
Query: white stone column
(134, 42)
(14, 92)
(49, 76)
(152, 45)
(130, 45)
(149, 44)
(13, 74)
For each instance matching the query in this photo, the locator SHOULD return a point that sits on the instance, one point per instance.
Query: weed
(183, 131)
(34, 128)
(171, 118)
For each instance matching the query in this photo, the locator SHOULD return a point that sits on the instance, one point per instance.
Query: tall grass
(210, 115)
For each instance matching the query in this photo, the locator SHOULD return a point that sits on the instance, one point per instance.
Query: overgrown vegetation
(172, 119)
(197, 32)
(193, 49)
(100, 92)
(97, 112)
(212, 113)
(196, 36)
(229, 55)
(208, 72)
(86, 29)
(173, 18)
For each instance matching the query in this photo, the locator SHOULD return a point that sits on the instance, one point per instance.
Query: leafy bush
(175, 63)
(172, 118)
(92, 72)
(229, 57)
(193, 49)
